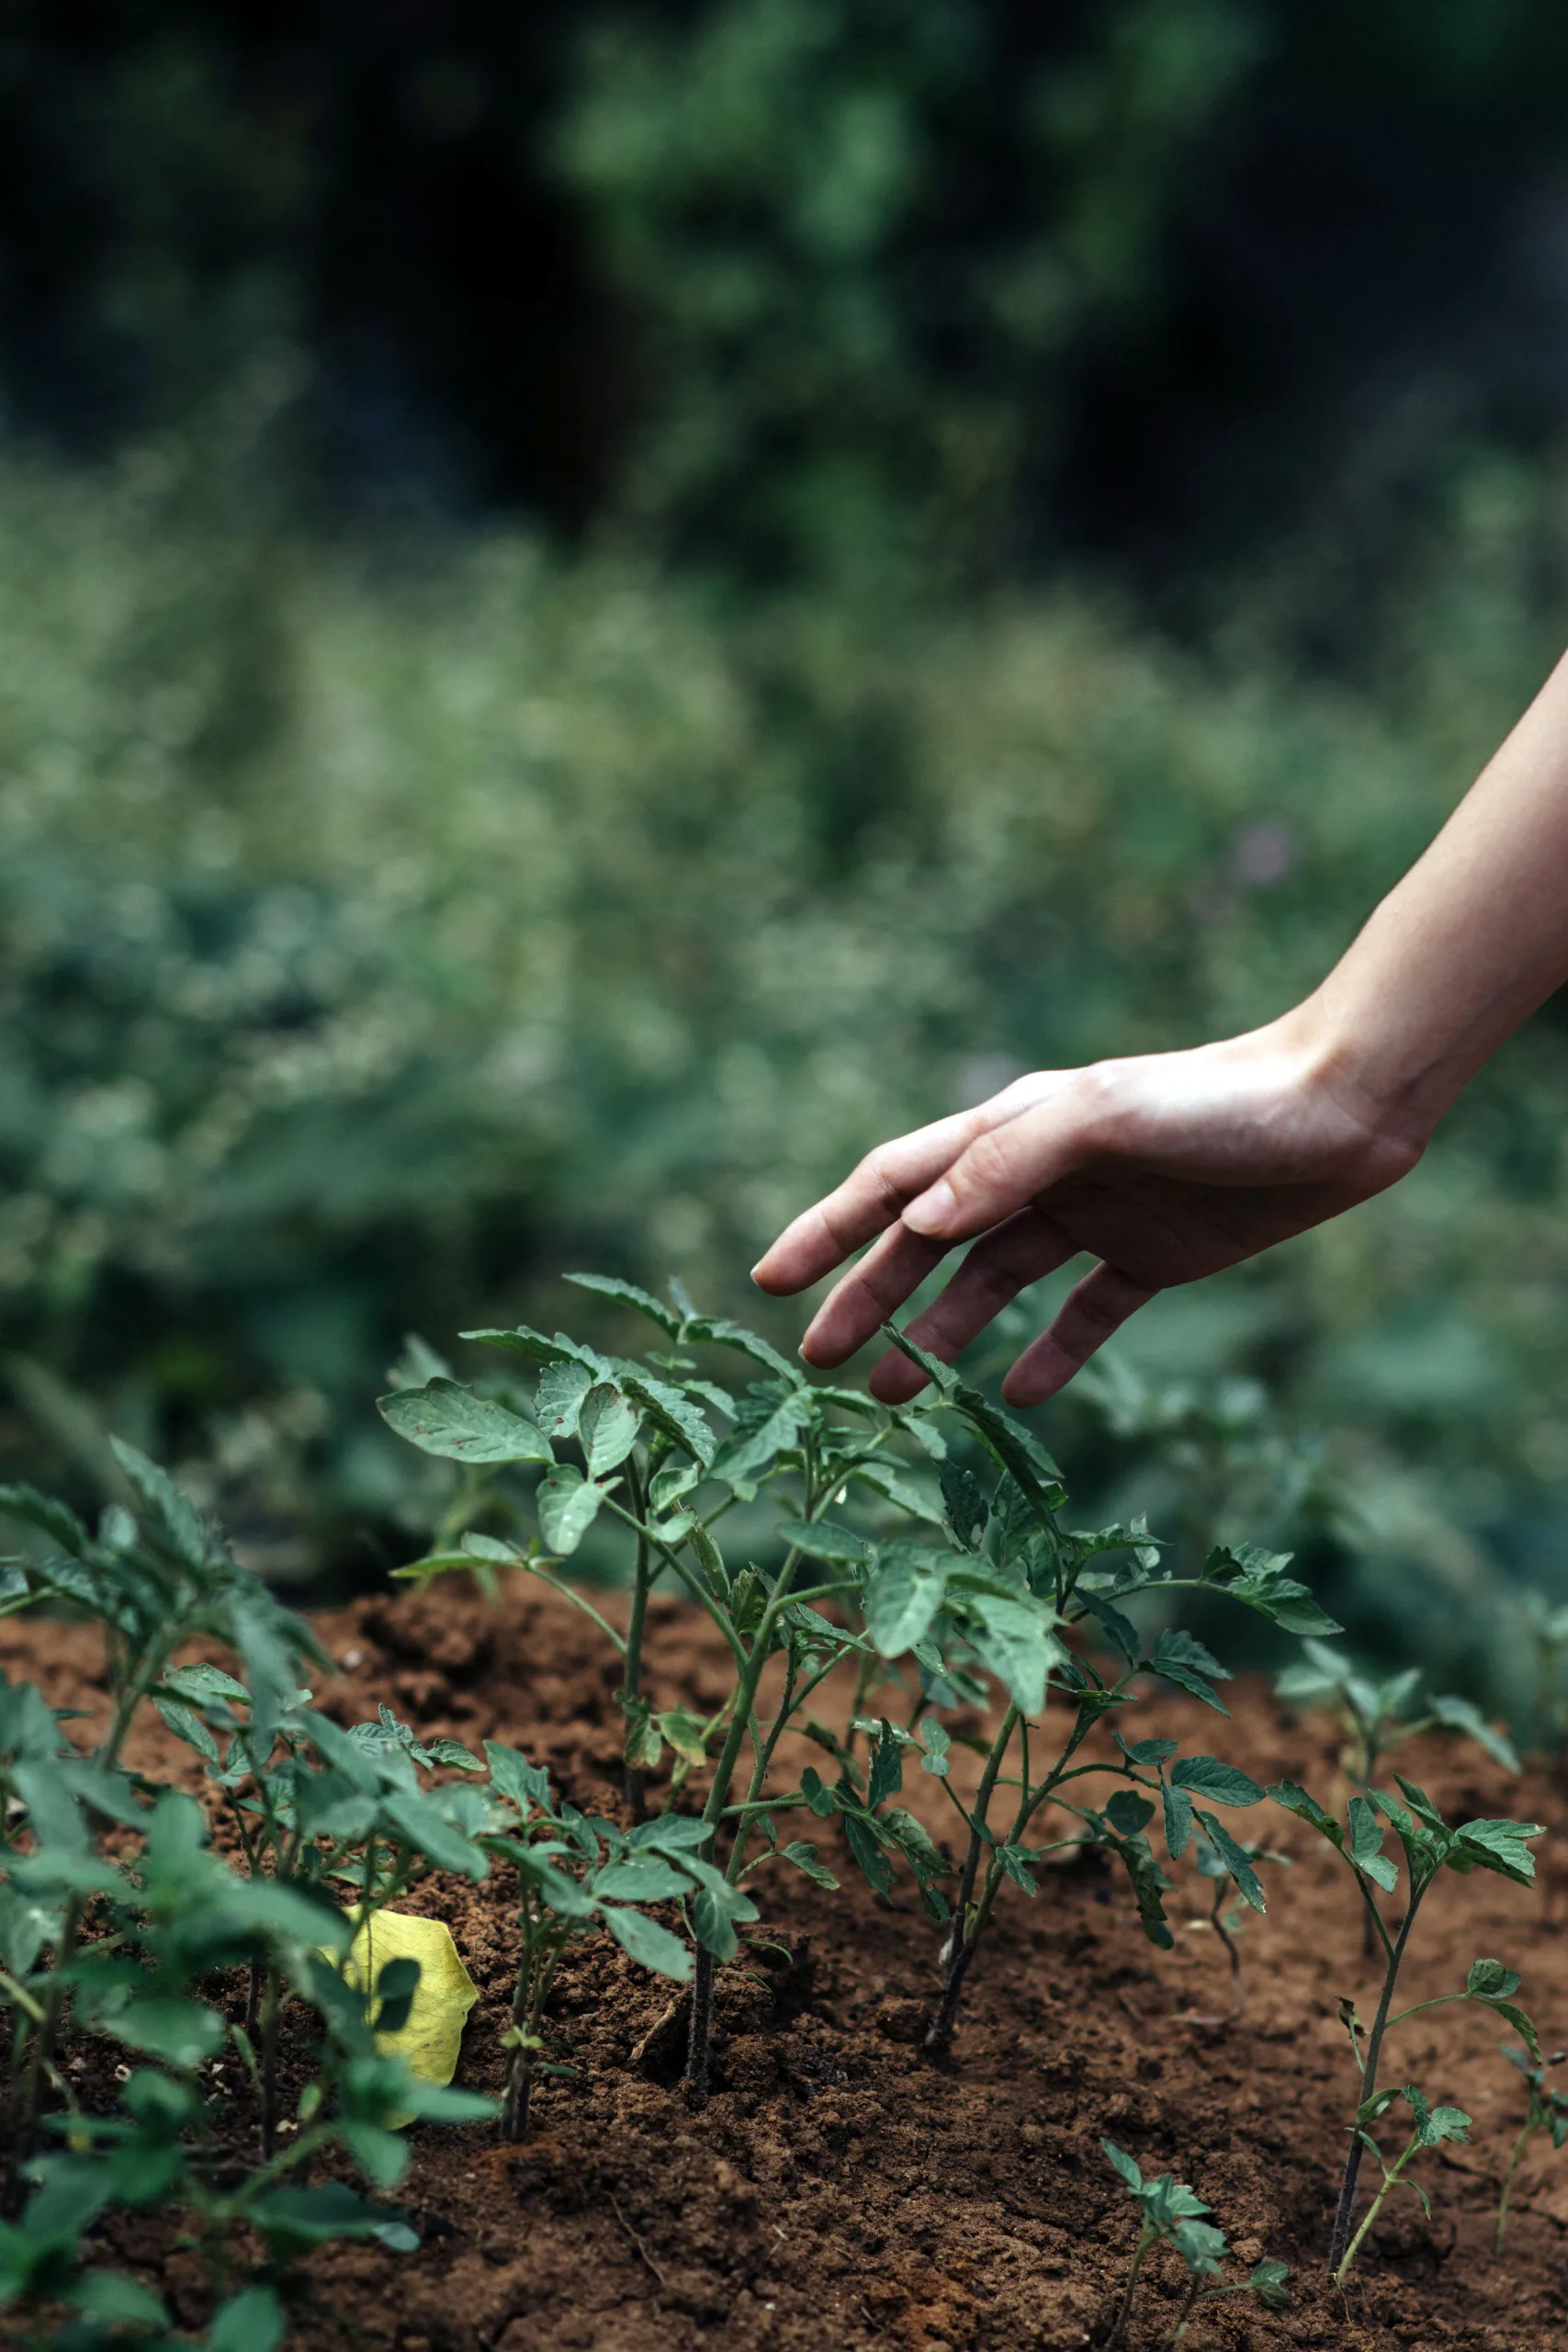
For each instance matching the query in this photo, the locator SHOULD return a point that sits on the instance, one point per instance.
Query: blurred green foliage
(585, 630)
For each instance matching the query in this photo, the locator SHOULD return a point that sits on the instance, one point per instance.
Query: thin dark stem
(939, 2033)
(1119, 2324)
(1188, 2308)
(1345, 2212)
(1521, 2144)
(268, 2069)
(633, 1786)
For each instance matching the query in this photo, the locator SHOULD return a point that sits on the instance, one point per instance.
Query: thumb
(1004, 1169)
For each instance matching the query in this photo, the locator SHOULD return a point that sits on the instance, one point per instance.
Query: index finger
(867, 1202)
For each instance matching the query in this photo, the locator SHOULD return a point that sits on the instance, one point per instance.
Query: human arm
(1167, 1167)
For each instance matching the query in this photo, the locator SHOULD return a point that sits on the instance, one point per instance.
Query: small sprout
(1433, 2126)
(1430, 1847)
(1548, 2111)
(1170, 2215)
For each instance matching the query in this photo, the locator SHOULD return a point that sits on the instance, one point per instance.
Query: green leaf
(916, 1842)
(1016, 1450)
(886, 1478)
(1122, 1630)
(967, 1509)
(864, 1845)
(606, 1429)
(686, 1734)
(448, 1420)
(806, 1858)
(1458, 1714)
(523, 1341)
(937, 1740)
(1181, 1658)
(1013, 1636)
(1149, 1883)
(1201, 2246)
(1178, 1820)
(121, 2301)
(304, 2217)
(1205, 1776)
(1489, 1981)
(718, 1330)
(1259, 1580)
(651, 1945)
(824, 1539)
(628, 1295)
(187, 1725)
(942, 1375)
(1236, 1860)
(887, 1767)
(182, 2033)
(1267, 2280)
(750, 1450)
(568, 1505)
(1122, 2163)
(1365, 1847)
(201, 1682)
(558, 1397)
(674, 1416)
(174, 1513)
(1500, 1845)
(904, 1596)
(50, 1517)
(1019, 1862)
(253, 2321)
(528, 1786)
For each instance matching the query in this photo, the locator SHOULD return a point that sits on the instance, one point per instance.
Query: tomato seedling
(1170, 2215)
(1547, 2111)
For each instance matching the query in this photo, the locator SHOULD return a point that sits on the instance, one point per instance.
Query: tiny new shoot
(1548, 2111)
(1378, 1717)
(1430, 1847)
(1433, 2125)
(1170, 2215)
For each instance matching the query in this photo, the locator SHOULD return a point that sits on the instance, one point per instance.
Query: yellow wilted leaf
(429, 2042)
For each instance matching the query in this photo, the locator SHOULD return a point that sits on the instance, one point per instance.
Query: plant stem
(700, 2038)
(939, 2033)
(1119, 2324)
(268, 2085)
(1188, 2308)
(633, 1788)
(1521, 2144)
(1391, 2181)
(1338, 2261)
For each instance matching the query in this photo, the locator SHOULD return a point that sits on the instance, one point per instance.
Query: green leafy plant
(1433, 2125)
(575, 1873)
(1547, 2111)
(1016, 1536)
(1227, 1915)
(1170, 2215)
(1430, 1847)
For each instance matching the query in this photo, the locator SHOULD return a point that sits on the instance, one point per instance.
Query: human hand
(1167, 1167)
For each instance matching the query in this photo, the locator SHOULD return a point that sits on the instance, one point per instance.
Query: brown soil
(838, 2191)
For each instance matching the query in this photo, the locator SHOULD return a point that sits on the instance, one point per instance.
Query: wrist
(1345, 1056)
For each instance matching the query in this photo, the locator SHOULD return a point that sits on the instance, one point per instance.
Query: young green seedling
(1170, 2215)
(1430, 1847)
(1433, 2126)
(1378, 1717)
(575, 1873)
(1548, 2111)
(1016, 1537)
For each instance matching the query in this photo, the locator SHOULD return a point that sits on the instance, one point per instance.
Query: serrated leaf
(967, 1509)
(1501, 1846)
(937, 1741)
(722, 1333)
(568, 1505)
(1236, 1860)
(868, 1853)
(887, 1767)
(672, 1413)
(1267, 2280)
(1205, 1776)
(916, 1844)
(904, 1595)
(1296, 1800)
(806, 1858)
(1181, 1658)
(558, 1397)
(50, 1517)
(187, 1724)
(651, 1945)
(174, 1513)
(1366, 1846)
(1121, 1629)
(1178, 1820)
(450, 1421)
(527, 1785)
(523, 1341)
(1123, 2164)
(748, 1452)
(1488, 1980)
(628, 1295)
(942, 1375)
(824, 1539)
(1458, 1714)
(606, 1428)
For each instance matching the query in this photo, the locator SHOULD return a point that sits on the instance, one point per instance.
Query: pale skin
(1169, 1167)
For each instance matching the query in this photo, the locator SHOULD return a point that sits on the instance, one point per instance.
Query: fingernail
(758, 1268)
(932, 1210)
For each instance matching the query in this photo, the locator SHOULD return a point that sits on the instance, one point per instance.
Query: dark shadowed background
(601, 605)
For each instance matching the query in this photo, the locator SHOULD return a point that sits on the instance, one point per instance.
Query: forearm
(1468, 944)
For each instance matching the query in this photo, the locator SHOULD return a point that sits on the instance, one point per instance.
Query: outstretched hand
(1166, 1168)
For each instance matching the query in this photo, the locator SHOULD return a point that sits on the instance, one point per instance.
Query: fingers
(865, 1204)
(1008, 1164)
(1098, 1308)
(995, 1270)
(858, 1307)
